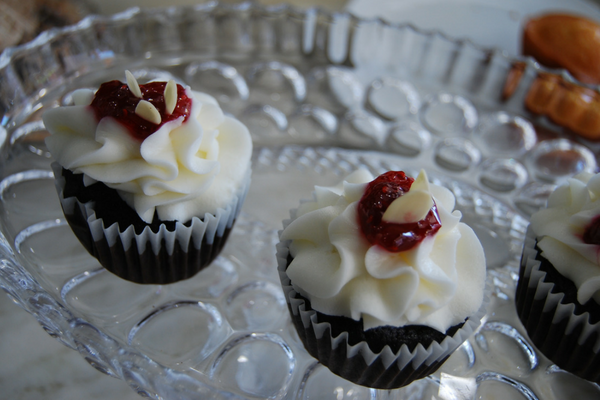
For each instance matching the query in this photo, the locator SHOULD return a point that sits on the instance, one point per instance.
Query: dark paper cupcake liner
(358, 363)
(161, 257)
(567, 338)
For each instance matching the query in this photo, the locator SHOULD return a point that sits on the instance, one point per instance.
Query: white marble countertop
(34, 366)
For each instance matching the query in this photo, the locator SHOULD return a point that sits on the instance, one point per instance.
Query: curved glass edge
(28, 72)
(142, 374)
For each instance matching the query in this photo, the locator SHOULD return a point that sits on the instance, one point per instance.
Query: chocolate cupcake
(383, 281)
(558, 294)
(150, 177)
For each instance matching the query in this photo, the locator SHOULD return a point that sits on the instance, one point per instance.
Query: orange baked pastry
(565, 41)
(568, 42)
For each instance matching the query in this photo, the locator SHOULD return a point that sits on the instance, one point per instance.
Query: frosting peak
(437, 283)
(572, 213)
(189, 164)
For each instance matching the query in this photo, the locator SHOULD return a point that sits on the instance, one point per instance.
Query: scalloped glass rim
(14, 95)
(324, 38)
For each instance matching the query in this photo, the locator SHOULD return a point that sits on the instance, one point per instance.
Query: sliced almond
(133, 85)
(413, 206)
(170, 96)
(146, 110)
(421, 182)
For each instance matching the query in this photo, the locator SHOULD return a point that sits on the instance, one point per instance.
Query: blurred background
(22, 20)
(489, 23)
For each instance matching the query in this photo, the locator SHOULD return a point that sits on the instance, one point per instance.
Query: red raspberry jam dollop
(591, 234)
(114, 99)
(393, 237)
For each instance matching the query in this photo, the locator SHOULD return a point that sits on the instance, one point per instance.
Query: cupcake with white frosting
(383, 281)
(558, 294)
(151, 177)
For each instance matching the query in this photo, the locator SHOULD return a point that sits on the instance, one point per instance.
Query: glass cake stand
(323, 94)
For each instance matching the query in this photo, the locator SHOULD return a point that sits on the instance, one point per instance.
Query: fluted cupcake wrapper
(358, 363)
(160, 257)
(567, 339)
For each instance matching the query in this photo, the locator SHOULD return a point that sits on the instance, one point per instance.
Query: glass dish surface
(320, 100)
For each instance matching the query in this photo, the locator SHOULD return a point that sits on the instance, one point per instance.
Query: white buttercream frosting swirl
(184, 169)
(438, 283)
(559, 229)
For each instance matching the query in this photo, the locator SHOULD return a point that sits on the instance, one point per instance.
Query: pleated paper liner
(161, 257)
(569, 338)
(358, 363)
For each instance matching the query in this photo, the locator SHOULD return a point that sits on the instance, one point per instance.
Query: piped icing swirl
(184, 165)
(438, 283)
(566, 232)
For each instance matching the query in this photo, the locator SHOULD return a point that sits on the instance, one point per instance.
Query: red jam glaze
(393, 237)
(591, 235)
(114, 99)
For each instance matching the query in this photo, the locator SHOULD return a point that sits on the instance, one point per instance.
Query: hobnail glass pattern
(322, 95)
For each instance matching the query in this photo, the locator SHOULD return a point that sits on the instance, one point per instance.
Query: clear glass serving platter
(323, 94)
